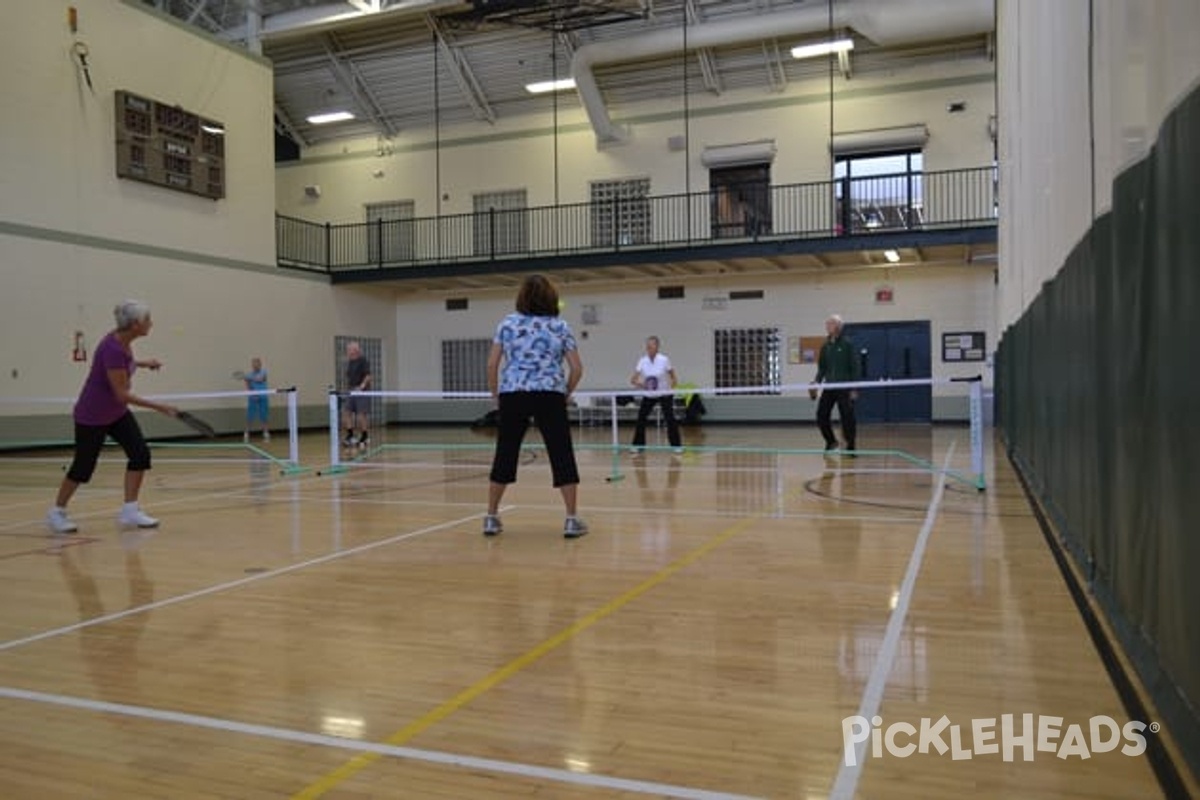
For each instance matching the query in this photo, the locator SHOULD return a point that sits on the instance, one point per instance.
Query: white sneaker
(136, 518)
(58, 521)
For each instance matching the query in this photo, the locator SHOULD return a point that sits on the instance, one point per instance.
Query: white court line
(430, 756)
(40, 521)
(606, 510)
(221, 587)
(847, 777)
(97, 492)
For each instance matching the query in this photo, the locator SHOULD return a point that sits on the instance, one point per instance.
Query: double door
(893, 350)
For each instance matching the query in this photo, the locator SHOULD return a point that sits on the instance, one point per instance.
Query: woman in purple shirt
(103, 410)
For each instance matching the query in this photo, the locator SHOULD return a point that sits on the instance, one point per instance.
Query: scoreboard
(167, 146)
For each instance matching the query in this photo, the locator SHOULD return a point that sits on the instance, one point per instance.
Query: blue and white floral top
(533, 349)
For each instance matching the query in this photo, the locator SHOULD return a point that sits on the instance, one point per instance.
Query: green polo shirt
(838, 363)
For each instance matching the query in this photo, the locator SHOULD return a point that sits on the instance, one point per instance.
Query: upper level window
(879, 191)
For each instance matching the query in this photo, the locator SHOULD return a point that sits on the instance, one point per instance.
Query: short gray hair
(835, 319)
(129, 312)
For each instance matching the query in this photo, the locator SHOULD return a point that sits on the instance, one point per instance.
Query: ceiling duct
(884, 22)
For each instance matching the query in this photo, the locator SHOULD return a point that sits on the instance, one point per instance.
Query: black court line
(1169, 779)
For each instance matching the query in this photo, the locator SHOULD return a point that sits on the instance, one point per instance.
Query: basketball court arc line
(332, 779)
(846, 782)
(235, 584)
(517, 769)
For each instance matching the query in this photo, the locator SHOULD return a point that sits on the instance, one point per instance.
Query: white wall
(1065, 134)
(952, 298)
(520, 153)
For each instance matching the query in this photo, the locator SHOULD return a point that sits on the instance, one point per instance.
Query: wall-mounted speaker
(312, 191)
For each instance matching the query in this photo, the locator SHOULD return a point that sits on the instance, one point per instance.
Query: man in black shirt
(356, 412)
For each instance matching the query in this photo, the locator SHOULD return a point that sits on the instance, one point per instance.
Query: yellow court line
(358, 763)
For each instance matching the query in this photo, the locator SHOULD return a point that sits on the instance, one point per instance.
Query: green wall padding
(1098, 399)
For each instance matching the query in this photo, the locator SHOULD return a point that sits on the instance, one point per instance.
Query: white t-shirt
(656, 378)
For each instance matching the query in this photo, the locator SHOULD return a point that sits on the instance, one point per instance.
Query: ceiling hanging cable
(554, 97)
(687, 134)
(843, 215)
(437, 150)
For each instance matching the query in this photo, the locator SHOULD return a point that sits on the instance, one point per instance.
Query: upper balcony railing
(917, 201)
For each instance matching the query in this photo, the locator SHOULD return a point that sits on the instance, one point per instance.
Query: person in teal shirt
(837, 363)
(258, 410)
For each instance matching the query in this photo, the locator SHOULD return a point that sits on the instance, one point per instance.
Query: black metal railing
(846, 207)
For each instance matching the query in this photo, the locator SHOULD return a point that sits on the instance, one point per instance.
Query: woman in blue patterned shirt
(533, 343)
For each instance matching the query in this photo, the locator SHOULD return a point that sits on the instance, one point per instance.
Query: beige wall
(58, 145)
(519, 153)
(75, 240)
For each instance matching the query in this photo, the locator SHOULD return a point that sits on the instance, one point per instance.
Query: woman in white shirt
(655, 375)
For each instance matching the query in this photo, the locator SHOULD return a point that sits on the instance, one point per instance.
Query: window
(464, 365)
(879, 191)
(620, 212)
(390, 231)
(748, 357)
(501, 223)
(741, 200)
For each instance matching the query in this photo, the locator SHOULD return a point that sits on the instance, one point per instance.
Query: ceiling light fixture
(822, 48)
(541, 87)
(332, 116)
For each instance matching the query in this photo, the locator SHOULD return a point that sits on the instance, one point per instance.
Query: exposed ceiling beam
(843, 58)
(283, 123)
(708, 64)
(198, 10)
(348, 76)
(327, 16)
(461, 70)
(776, 73)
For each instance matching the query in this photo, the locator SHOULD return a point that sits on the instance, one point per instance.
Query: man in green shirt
(837, 363)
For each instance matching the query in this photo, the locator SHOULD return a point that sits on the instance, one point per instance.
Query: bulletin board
(804, 349)
(963, 346)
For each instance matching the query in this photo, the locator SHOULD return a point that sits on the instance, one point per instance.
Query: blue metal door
(893, 350)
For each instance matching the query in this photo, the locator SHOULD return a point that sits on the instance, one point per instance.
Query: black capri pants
(549, 413)
(89, 439)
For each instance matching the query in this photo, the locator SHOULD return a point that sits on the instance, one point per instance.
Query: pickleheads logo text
(1015, 736)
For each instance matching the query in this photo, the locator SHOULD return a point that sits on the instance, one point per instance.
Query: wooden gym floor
(354, 636)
